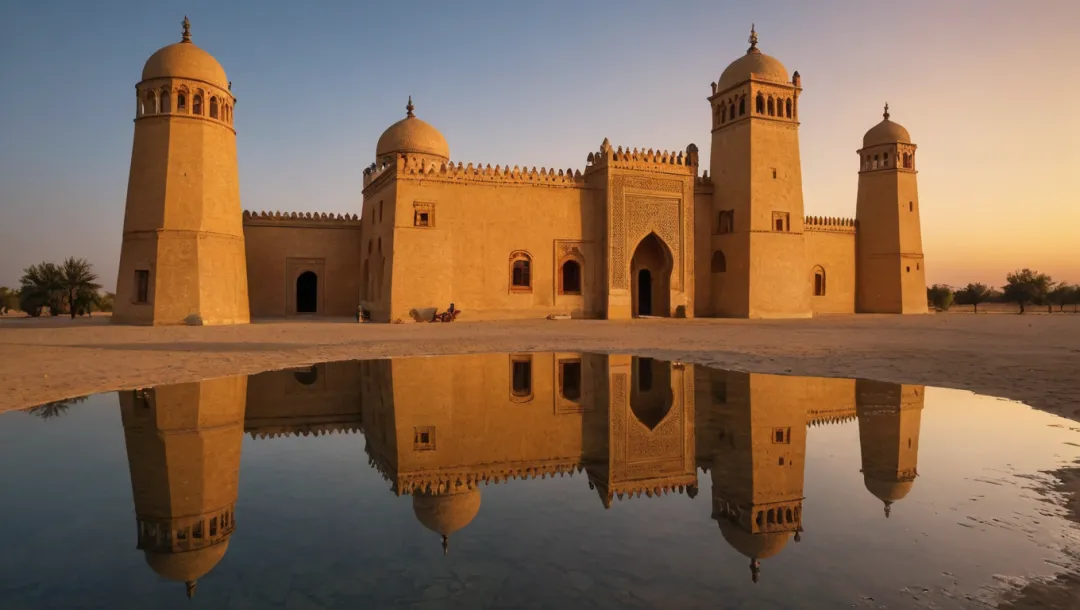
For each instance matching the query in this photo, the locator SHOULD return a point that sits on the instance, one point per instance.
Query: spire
(752, 40)
(886, 113)
(191, 588)
(409, 109)
(186, 37)
(755, 570)
(888, 508)
(445, 545)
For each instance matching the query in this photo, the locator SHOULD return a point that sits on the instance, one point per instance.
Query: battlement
(703, 183)
(829, 224)
(655, 160)
(276, 217)
(414, 167)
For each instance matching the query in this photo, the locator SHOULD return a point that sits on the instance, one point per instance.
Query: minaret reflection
(183, 445)
(758, 448)
(890, 417)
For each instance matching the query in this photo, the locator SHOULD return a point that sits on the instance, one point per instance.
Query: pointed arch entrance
(650, 278)
(307, 292)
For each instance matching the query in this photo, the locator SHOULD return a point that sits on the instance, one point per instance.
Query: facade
(633, 233)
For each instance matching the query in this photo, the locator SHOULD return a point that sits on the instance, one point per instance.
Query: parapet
(654, 160)
(479, 172)
(703, 183)
(829, 224)
(306, 218)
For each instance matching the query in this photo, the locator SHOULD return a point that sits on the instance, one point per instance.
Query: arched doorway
(650, 278)
(307, 292)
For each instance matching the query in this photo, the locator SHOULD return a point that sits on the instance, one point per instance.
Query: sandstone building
(634, 232)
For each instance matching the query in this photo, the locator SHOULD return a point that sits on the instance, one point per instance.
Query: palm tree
(50, 410)
(42, 285)
(78, 281)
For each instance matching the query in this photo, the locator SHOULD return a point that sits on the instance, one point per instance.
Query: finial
(755, 570)
(888, 509)
(752, 40)
(409, 109)
(191, 588)
(886, 114)
(187, 30)
(445, 545)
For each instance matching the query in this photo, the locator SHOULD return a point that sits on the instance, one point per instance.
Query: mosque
(439, 429)
(635, 232)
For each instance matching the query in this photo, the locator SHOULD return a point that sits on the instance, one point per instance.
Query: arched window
(742, 105)
(166, 102)
(196, 104)
(150, 105)
(819, 281)
(520, 272)
(760, 104)
(181, 102)
(380, 211)
(719, 262)
(772, 107)
(875, 162)
(570, 277)
(787, 108)
(213, 108)
(723, 113)
(731, 111)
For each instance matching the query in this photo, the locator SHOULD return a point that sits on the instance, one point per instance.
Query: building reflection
(438, 429)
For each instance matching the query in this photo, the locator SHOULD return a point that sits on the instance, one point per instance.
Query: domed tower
(183, 446)
(447, 512)
(890, 274)
(890, 416)
(757, 215)
(758, 462)
(182, 260)
(413, 137)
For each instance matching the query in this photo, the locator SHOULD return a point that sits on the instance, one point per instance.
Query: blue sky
(542, 83)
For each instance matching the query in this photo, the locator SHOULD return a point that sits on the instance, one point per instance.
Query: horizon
(533, 86)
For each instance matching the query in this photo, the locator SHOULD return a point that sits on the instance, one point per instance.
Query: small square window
(781, 436)
(423, 214)
(421, 219)
(781, 221)
(424, 438)
(521, 378)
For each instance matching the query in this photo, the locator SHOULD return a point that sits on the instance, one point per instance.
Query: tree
(1025, 287)
(941, 296)
(78, 281)
(973, 294)
(57, 408)
(1059, 295)
(42, 286)
(9, 300)
(105, 302)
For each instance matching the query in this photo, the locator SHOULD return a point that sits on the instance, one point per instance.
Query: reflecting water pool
(528, 481)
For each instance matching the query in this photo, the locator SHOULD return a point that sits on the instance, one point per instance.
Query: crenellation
(308, 217)
(412, 166)
(830, 224)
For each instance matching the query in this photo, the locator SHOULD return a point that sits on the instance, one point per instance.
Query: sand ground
(1032, 358)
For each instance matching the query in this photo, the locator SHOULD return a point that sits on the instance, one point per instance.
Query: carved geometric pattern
(619, 237)
(618, 408)
(660, 216)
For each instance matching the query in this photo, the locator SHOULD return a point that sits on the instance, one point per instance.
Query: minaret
(757, 212)
(758, 462)
(182, 260)
(890, 417)
(183, 447)
(890, 274)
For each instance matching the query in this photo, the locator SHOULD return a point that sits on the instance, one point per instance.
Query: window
(781, 221)
(142, 286)
(719, 262)
(165, 102)
(725, 222)
(181, 102)
(742, 105)
(911, 206)
(774, 173)
(521, 376)
(760, 104)
(781, 436)
(424, 438)
(885, 160)
(150, 106)
(787, 108)
(731, 112)
(819, 281)
(645, 374)
(423, 214)
(213, 108)
(722, 115)
(520, 272)
(196, 104)
(570, 277)
(421, 219)
(781, 460)
(772, 107)
(570, 379)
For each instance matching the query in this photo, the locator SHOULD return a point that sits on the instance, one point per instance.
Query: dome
(411, 135)
(185, 60)
(754, 63)
(446, 513)
(754, 546)
(888, 491)
(187, 566)
(886, 132)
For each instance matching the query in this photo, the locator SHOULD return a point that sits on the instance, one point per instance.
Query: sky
(989, 90)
